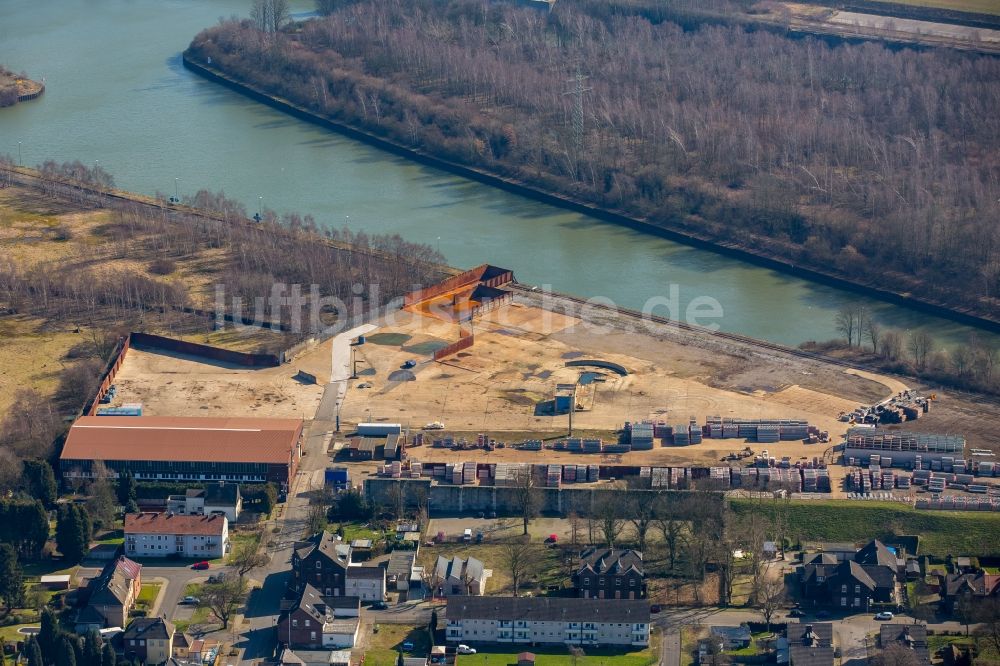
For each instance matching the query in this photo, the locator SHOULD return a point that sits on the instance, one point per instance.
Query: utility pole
(578, 90)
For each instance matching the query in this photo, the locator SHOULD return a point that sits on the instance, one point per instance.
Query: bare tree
(527, 496)
(223, 598)
(771, 595)
(315, 519)
(519, 556)
(609, 512)
(921, 345)
(248, 556)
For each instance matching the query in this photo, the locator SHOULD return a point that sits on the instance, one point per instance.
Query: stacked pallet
(553, 473)
(660, 477)
(641, 437)
(678, 476)
(694, 432)
(530, 445)
(593, 473)
(569, 474)
(617, 448)
(720, 476)
(593, 445)
(682, 436)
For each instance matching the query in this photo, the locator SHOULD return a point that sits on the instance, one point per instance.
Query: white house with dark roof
(222, 497)
(548, 620)
(460, 576)
(366, 583)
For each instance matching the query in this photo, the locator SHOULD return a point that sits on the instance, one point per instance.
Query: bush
(163, 266)
(62, 233)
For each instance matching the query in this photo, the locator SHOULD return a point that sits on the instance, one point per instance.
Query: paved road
(850, 631)
(670, 654)
(259, 639)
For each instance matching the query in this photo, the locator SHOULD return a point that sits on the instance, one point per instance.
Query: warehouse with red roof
(166, 448)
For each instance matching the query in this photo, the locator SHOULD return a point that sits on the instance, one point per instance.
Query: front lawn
(560, 656)
(147, 596)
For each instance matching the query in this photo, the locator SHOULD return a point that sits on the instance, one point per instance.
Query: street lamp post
(19, 162)
(177, 195)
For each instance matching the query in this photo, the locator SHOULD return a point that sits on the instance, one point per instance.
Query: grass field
(384, 647)
(561, 657)
(941, 532)
(978, 6)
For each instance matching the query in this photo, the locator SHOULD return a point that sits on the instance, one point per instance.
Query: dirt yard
(171, 384)
(503, 384)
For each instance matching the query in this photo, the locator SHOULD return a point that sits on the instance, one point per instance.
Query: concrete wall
(445, 499)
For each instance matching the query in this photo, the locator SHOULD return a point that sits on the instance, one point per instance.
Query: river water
(117, 95)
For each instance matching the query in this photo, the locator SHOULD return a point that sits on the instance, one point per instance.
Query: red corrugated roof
(180, 439)
(173, 523)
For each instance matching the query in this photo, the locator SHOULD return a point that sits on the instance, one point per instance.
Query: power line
(578, 90)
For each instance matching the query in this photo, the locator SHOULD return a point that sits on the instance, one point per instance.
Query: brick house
(608, 573)
(851, 584)
(970, 586)
(316, 621)
(321, 561)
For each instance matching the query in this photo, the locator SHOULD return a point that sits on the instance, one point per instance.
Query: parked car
(192, 601)
(465, 649)
(796, 612)
(200, 566)
(823, 614)
(410, 364)
(364, 385)
(408, 645)
(379, 605)
(655, 608)
(215, 578)
(884, 615)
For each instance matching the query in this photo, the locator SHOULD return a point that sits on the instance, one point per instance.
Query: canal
(117, 95)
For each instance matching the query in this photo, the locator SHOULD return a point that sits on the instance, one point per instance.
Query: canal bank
(923, 304)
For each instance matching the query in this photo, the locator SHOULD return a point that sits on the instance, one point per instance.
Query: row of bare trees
(969, 365)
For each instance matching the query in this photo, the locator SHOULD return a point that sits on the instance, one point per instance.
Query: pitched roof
(182, 439)
(553, 609)
(610, 561)
(327, 545)
(149, 627)
(800, 655)
(112, 586)
(913, 636)
(978, 584)
(365, 572)
(458, 568)
(816, 634)
(876, 553)
(173, 523)
(821, 558)
(851, 569)
(222, 494)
